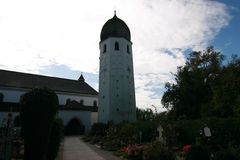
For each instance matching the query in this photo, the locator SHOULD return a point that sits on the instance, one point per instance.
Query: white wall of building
(87, 117)
(94, 117)
(87, 100)
(13, 95)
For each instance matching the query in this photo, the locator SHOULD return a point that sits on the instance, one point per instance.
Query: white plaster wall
(87, 100)
(13, 95)
(94, 117)
(116, 82)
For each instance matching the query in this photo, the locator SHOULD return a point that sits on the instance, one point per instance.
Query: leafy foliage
(227, 154)
(225, 132)
(99, 129)
(198, 152)
(145, 115)
(204, 87)
(56, 137)
(38, 110)
(156, 150)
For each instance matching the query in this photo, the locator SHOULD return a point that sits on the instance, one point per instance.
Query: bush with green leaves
(224, 132)
(156, 150)
(99, 129)
(55, 138)
(38, 109)
(198, 152)
(128, 133)
(227, 154)
(148, 130)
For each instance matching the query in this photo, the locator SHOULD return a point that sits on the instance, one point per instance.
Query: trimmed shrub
(38, 109)
(55, 139)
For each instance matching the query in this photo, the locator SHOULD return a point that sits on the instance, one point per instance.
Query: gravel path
(75, 149)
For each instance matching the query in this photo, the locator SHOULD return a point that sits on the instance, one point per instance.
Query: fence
(9, 139)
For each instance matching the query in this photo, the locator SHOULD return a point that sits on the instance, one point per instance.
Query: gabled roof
(29, 81)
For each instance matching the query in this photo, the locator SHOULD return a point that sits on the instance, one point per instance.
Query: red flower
(186, 148)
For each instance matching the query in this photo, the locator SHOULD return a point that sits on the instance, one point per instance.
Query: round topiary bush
(38, 109)
(55, 139)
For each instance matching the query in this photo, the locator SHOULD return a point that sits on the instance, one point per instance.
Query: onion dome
(115, 27)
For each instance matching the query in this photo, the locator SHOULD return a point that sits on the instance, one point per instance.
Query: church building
(116, 77)
(77, 99)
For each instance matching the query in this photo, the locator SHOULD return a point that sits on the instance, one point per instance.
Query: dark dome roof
(115, 27)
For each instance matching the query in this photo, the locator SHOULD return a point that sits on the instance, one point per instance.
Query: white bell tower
(116, 76)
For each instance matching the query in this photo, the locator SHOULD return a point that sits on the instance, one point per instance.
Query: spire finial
(81, 78)
(115, 12)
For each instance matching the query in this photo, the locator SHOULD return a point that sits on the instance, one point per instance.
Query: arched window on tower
(104, 48)
(128, 50)
(116, 46)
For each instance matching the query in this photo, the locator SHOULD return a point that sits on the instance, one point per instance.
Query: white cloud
(35, 34)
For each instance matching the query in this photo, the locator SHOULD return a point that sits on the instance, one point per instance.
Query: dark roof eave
(29, 81)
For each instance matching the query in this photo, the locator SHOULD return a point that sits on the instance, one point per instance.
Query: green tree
(144, 114)
(189, 97)
(226, 99)
(38, 110)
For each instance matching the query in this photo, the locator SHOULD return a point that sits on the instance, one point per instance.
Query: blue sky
(61, 38)
(228, 39)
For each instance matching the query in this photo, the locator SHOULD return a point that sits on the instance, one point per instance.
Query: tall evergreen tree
(38, 110)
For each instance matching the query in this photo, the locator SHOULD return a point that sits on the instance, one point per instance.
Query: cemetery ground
(147, 139)
(202, 139)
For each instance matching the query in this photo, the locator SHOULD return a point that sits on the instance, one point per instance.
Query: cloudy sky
(61, 38)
